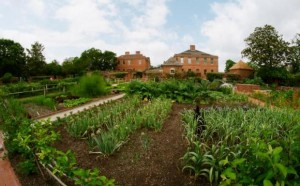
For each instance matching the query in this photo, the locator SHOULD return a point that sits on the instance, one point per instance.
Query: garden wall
(246, 88)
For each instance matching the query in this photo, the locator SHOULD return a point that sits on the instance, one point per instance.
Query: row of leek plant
(89, 121)
(260, 146)
(151, 115)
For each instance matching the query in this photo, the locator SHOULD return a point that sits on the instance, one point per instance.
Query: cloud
(235, 20)
(36, 6)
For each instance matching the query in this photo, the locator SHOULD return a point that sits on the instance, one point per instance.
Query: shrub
(120, 74)
(215, 85)
(255, 81)
(213, 76)
(7, 77)
(90, 86)
(233, 77)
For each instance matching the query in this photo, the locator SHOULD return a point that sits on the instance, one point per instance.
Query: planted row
(258, 146)
(97, 118)
(151, 115)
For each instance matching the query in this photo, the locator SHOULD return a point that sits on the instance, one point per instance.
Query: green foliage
(42, 100)
(120, 74)
(27, 167)
(215, 85)
(7, 77)
(287, 99)
(229, 63)
(244, 147)
(255, 81)
(214, 76)
(266, 47)
(12, 58)
(36, 61)
(108, 126)
(75, 102)
(95, 59)
(233, 77)
(179, 90)
(90, 86)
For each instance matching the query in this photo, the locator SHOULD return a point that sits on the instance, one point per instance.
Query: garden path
(80, 108)
(7, 174)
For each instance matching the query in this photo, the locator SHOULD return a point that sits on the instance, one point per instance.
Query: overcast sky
(157, 28)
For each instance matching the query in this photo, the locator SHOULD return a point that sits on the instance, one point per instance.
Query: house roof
(195, 52)
(171, 62)
(241, 66)
(154, 71)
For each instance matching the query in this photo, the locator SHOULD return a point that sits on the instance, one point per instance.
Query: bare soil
(148, 158)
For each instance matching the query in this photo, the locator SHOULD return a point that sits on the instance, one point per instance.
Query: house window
(190, 70)
(182, 70)
(172, 71)
(198, 61)
(211, 60)
(205, 60)
(197, 70)
(140, 62)
(189, 61)
(181, 60)
(212, 71)
(123, 62)
(128, 62)
(205, 71)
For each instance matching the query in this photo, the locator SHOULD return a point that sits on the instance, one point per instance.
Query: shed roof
(241, 66)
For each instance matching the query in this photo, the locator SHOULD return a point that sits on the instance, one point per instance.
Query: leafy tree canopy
(229, 64)
(95, 59)
(12, 58)
(294, 57)
(266, 48)
(35, 60)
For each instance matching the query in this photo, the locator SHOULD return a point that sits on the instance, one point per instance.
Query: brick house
(191, 60)
(133, 62)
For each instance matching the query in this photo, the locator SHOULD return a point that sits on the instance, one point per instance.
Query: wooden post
(45, 91)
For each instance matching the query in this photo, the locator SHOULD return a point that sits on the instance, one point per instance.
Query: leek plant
(259, 146)
(151, 115)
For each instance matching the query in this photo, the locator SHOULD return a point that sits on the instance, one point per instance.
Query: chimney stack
(127, 53)
(192, 47)
(138, 52)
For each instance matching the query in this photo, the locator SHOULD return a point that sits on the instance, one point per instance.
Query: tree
(294, 57)
(12, 58)
(35, 60)
(69, 67)
(267, 49)
(94, 59)
(229, 64)
(53, 68)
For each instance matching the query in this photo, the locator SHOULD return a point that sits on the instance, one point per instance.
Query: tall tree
(229, 64)
(267, 49)
(53, 68)
(95, 59)
(12, 58)
(69, 66)
(35, 60)
(294, 57)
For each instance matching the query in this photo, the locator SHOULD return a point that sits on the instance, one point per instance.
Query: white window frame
(182, 60)
(189, 60)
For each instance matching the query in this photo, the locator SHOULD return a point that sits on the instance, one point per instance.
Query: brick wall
(246, 88)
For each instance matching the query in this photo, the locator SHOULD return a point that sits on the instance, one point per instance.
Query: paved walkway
(7, 175)
(81, 108)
